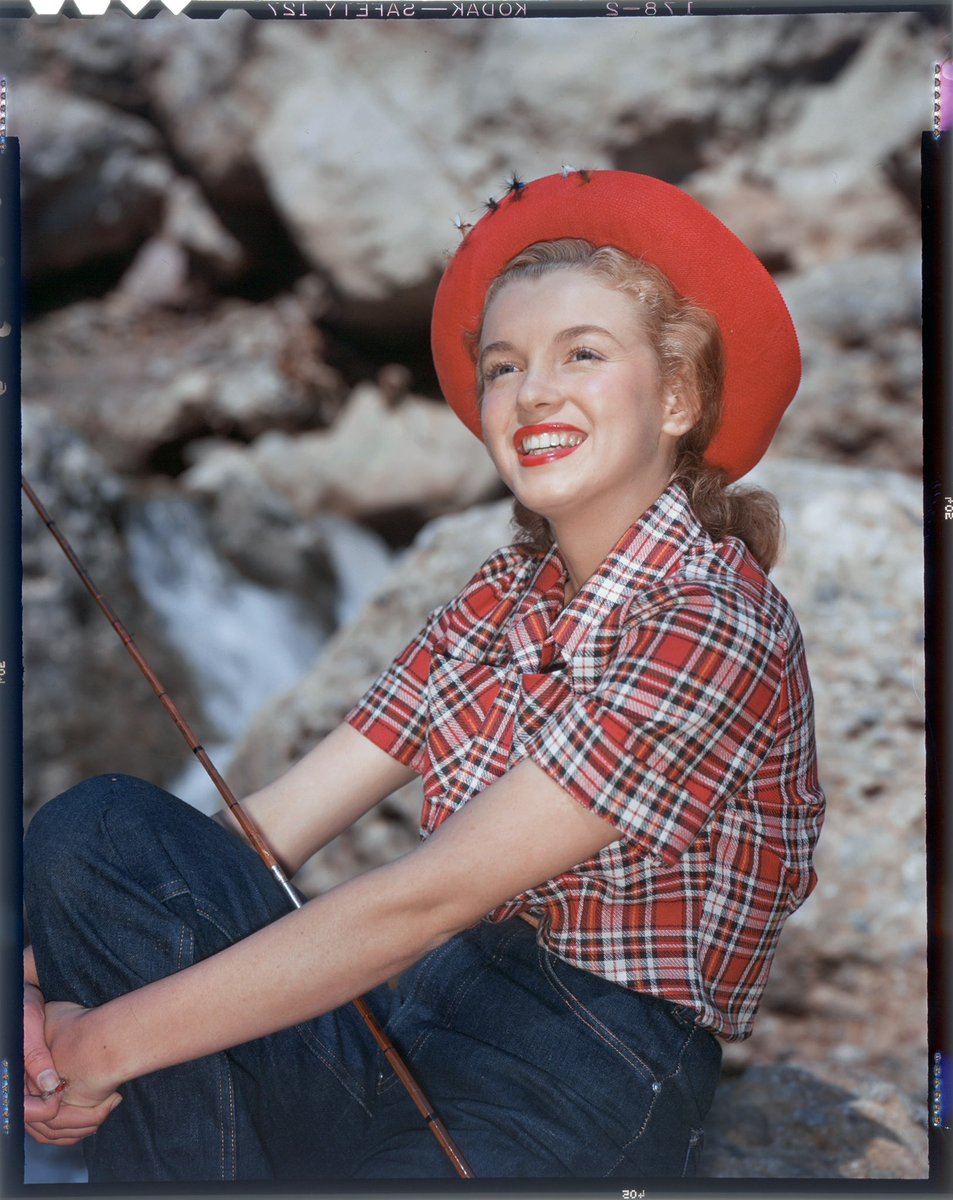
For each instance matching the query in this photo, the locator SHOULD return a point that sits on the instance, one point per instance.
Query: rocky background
(233, 231)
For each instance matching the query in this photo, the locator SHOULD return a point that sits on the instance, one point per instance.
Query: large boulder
(853, 569)
(191, 253)
(860, 398)
(833, 169)
(255, 527)
(197, 93)
(143, 387)
(791, 1123)
(378, 460)
(371, 113)
(94, 180)
(265, 373)
(189, 87)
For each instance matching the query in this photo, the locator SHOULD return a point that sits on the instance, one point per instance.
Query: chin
(550, 507)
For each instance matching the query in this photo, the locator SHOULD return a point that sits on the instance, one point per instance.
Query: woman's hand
(41, 1099)
(86, 1100)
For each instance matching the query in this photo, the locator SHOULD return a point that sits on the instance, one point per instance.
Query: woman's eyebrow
(567, 335)
(494, 347)
(564, 335)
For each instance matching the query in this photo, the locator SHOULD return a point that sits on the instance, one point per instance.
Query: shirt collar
(547, 632)
(645, 554)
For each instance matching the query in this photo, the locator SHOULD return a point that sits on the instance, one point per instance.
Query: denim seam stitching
(221, 1125)
(169, 889)
(424, 1037)
(333, 1064)
(655, 1095)
(458, 999)
(232, 1124)
(434, 959)
(186, 947)
(602, 1031)
(501, 948)
(696, 1135)
(205, 910)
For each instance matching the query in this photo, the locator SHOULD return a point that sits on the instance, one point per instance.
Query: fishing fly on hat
(650, 220)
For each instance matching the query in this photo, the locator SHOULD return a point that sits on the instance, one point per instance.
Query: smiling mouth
(537, 444)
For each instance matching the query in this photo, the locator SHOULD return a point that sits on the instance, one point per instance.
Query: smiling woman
(685, 344)
(614, 727)
(589, 397)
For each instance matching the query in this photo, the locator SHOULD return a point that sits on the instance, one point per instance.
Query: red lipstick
(538, 458)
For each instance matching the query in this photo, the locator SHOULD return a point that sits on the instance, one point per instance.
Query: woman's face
(574, 413)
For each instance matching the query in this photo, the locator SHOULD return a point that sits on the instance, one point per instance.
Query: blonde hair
(690, 352)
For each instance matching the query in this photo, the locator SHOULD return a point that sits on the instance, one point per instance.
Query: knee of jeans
(62, 828)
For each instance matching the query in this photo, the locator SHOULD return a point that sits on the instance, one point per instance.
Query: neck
(586, 540)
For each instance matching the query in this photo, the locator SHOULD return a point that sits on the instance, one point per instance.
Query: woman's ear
(680, 408)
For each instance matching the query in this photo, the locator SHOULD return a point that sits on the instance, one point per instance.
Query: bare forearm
(307, 963)
(521, 831)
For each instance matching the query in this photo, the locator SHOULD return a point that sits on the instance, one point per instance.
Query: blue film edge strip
(11, 674)
(936, 180)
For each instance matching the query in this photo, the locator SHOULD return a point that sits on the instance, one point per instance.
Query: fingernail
(49, 1081)
(115, 1104)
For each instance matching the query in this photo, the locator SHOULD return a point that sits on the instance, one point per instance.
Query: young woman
(613, 722)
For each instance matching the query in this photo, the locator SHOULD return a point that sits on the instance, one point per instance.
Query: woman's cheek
(494, 427)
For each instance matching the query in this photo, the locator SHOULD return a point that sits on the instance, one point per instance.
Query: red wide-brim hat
(657, 222)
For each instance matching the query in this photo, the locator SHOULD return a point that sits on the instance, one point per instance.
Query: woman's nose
(538, 391)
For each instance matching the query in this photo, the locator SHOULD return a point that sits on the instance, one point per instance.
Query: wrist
(112, 1040)
(100, 1051)
(81, 1049)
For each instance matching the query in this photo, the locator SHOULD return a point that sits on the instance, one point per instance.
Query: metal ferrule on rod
(287, 886)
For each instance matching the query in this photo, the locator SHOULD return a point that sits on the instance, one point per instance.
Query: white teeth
(548, 441)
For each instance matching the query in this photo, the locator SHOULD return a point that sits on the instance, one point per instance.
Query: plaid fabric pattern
(671, 697)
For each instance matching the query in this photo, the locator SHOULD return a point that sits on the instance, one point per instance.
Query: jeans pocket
(571, 985)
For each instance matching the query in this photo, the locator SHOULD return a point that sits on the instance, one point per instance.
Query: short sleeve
(391, 712)
(394, 713)
(681, 720)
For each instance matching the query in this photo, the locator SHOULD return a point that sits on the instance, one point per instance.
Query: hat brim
(656, 221)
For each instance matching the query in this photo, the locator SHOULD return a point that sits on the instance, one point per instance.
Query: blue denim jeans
(537, 1068)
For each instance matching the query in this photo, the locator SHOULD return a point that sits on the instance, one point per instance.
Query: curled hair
(690, 353)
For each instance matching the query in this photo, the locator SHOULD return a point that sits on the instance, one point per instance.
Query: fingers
(37, 1059)
(39, 1108)
(42, 1085)
(71, 1123)
(49, 1136)
(46, 1081)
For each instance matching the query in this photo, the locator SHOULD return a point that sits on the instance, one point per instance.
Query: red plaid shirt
(671, 697)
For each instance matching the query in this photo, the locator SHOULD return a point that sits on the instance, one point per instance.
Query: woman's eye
(584, 354)
(495, 370)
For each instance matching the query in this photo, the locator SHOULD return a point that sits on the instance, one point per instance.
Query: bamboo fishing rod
(255, 838)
